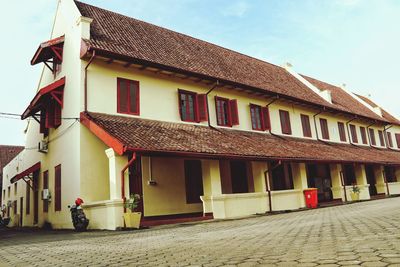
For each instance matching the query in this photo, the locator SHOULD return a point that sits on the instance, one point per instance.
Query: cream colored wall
(169, 195)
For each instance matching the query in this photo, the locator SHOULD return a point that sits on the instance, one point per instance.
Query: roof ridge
(180, 33)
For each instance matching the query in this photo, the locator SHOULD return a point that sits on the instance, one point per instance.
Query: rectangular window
(390, 174)
(15, 189)
(305, 124)
(193, 181)
(227, 111)
(259, 118)
(397, 140)
(57, 188)
(372, 136)
(45, 186)
(381, 138)
(127, 96)
(353, 133)
(282, 177)
(342, 132)
(324, 128)
(363, 135)
(389, 138)
(285, 122)
(192, 106)
(28, 198)
(15, 206)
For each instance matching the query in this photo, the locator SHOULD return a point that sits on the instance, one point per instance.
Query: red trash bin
(311, 196)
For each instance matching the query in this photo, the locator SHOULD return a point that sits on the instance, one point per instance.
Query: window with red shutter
(285, 122)
(381, 138)
(188, 106)
(342, 132)
(128, 96)
(234, 112)
(389, 138)
(305, 124)
(353, 132)
(266, 118)
(57, 188)
(398, 140)
(363, 135)
(324, 128)
(372, 136)
(256, 117)
(45, 186)
(227, 111)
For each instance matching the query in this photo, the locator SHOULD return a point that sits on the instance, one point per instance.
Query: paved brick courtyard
(366, 234)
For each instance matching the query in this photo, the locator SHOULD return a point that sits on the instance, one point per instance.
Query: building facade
(197, 130)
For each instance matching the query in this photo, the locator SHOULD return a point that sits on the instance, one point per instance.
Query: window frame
(263, 116)
(195, 106)
(389, 139)
(232, 115)
(284, 117)
(129, 111)
(306, 125)
(397, 137)
(372, 137)
(381, 138)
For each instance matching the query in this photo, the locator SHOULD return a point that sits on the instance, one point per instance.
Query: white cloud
(237, 9)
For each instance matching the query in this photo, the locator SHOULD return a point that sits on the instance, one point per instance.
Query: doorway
(21, 210)
(36, 197)
(319, 177)
(135, 181)
(369, 171)
(239, 177)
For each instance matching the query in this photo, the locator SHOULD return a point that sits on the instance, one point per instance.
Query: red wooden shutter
(285, 122)
(133, 97)
(202, 107)
(354, 137)
(363, 135)
(372, 136)
(50, 115)
(57, 188)
(390, 141)
(324, 128)
(342, 133)
(43, 129)
(305, 124)
(234, 112)
(122, 96)
(265, 118)
(398, 140)
(381, 139)
(57, 115)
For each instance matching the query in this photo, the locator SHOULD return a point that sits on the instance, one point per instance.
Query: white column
(362, 181)
(300, 180)
(380, 180)
(337, 187)
(116, 164)
(258, 169)
(212, 188)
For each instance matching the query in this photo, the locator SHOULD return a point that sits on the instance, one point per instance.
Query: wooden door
(135, 181)
(35, 197)
(369, 171)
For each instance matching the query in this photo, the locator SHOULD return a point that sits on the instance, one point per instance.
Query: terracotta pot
(132, 219)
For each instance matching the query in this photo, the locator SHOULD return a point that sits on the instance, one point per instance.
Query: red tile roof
(151, 136)
(343, 100)
(389, 117)
(136, 39)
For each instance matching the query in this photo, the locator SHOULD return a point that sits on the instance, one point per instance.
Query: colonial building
(196, 129)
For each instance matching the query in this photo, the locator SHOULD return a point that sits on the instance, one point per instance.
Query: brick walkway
(366, 234)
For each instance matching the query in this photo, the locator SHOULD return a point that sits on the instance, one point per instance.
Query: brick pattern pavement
(366, 234)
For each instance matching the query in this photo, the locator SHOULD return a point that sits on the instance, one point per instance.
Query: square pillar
(116, 163)
(300, 179)
(212, 188)
(258, 169)
(337, 188)
(362, 183)
(380, 180)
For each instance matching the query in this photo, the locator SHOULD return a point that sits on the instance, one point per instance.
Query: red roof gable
(385, 114)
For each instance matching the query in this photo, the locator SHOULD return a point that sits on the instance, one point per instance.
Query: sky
(351, 42)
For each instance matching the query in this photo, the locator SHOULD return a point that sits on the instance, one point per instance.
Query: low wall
(107, 214)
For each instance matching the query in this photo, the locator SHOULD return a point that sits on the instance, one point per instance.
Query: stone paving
(361, 234)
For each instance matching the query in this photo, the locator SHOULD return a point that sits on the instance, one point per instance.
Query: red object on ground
(311, 197)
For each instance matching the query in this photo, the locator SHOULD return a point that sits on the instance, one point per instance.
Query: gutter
(315, 124)
(208, 106)
(267, 175)
(85, 84)
(270, 124)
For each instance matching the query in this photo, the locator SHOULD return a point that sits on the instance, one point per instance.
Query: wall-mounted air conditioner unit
(43, 146)
(46, 194)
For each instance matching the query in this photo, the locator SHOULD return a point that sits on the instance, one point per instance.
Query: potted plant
(355, 193)
(132, 218)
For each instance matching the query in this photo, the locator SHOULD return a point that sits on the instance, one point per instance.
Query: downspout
(386, 182)
(208, 106)
(85, 84)
(369, 136)
(270, 124)
(343, 185)
(267, 175)
(315, 124)
(123, 178)
(386, 136)
(348, 130)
